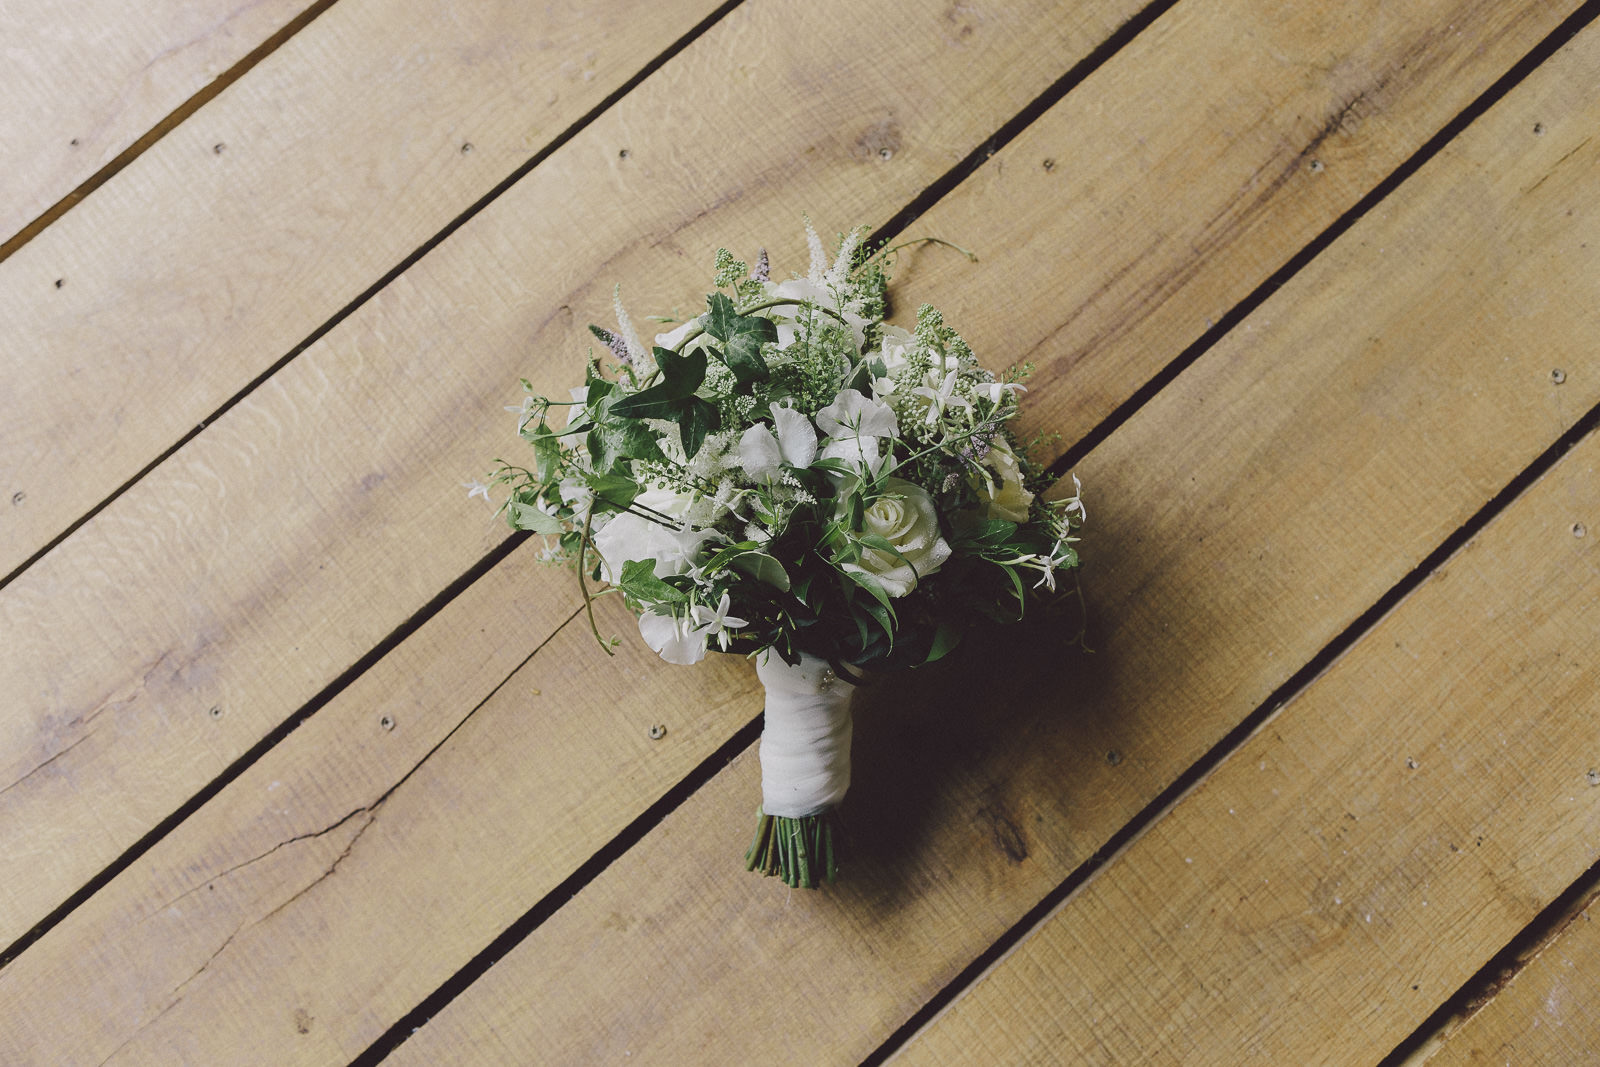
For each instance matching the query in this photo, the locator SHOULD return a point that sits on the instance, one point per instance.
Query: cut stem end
(802, 852)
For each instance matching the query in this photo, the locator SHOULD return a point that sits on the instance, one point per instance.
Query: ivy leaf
(639, 581)
(742, 337)
(621, 439)
(680, 377)
(698, 418)
(723, 315)
(743, 355)
(614, 489)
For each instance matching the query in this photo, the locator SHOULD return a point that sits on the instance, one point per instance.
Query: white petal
(797, 438)
(758, 452)
(670, 638)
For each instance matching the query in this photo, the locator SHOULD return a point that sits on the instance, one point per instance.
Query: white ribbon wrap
(805, 740)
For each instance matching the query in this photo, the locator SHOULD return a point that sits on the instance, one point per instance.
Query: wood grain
(294, 533)
(1240, 521)
(82, 85)
(244, 230)
(342, 877)
(1244, 149)
(1548, 1013)
(1362, 855)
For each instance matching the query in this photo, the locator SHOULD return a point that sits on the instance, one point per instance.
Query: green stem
(583, 583)
(802, 853)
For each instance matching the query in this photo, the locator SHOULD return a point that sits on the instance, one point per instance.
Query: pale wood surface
(274, 549)
(1195, 639)
(81, 83)
(1247, 513)
(237, 236)
(1548, 1013)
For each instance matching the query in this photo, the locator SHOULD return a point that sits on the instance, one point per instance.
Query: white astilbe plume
(841, 266)
(630, 336)
(819, 256)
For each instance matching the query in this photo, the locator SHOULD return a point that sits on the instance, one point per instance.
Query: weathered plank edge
(166, 125)
(1230, 742)
(1479, 992)
(549, 149)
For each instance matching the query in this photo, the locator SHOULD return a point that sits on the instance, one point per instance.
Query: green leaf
(875, 587)
(546, 452)
(522, 513)
(622, 439)
(763, 568)
(614, 489)
(639, 581)
(945, 638)
(742, 337)
(723, 315)
(743, 356)
(698, 418)
(680, 377)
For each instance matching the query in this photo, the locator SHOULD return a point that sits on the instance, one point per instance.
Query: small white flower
(998, 390)
(716, 621)
(580, 397)
(943, 398)
(853, 415)
(476, 488)
(524, 411)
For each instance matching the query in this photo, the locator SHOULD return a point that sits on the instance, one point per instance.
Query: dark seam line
(641, 826)
(1503, 967)
(1490, 96)
(558, 897)
(404, 265)
(395, 637)
(1080, 71)
(1219, 752)
(172, 121)
(1236, 737)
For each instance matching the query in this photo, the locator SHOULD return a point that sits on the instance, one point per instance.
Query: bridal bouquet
(789, 476)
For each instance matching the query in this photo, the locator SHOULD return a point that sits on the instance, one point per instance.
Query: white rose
(1003, 494)
(905, 517)
(627, 537)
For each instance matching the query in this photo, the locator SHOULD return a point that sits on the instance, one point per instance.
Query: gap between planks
(979, 133)
(1518, 482)
(171, 121)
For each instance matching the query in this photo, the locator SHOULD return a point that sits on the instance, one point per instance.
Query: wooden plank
(215, 948)
(1230, 184)
(465, 943)
(82, 86)
(1410, 399)
(198, 267)
(295, 532)
(1363, 854)
(1548, 1013)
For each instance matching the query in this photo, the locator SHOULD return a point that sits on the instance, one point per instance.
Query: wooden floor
(304, 760)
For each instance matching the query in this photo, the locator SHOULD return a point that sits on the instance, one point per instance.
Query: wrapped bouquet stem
(788, 476)
(805, 770)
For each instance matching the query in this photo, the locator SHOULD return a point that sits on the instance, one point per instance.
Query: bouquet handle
(805, 771)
